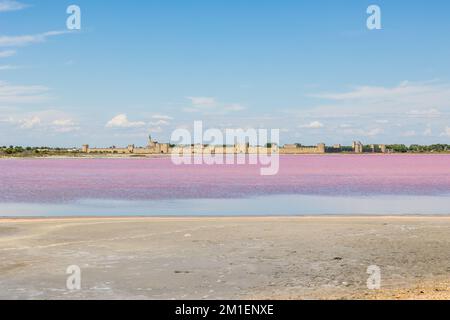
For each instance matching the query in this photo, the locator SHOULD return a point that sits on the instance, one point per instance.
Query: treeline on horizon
(34, 151)
(416, 148)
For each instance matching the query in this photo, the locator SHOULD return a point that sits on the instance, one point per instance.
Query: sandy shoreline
(227, 257)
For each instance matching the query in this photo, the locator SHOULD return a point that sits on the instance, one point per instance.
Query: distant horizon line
(5, 146)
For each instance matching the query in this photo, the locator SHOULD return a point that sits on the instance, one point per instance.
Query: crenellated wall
(294, 149)
(199, 149)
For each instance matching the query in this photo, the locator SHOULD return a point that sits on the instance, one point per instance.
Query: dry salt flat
(225, 258)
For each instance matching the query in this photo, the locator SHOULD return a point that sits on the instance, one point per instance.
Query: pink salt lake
(157, 186)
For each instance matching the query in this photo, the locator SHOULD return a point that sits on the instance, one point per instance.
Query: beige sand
(230, 258)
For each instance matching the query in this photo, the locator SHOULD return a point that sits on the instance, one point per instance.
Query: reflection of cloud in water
(254, 206)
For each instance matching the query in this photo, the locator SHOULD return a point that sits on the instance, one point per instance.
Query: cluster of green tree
(415, 148)
(14, 149)
(346, 148)
(338, 150)
(20, 151)
(368, 148)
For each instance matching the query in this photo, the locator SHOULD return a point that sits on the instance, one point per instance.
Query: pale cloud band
(20, 41)
(11, 5)
(45, 121)
(210, 105)
(7, 53)
(8, 67)
(17, 94)
(414, 98)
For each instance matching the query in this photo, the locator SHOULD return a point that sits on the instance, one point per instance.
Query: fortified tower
(321, 148)
(358, 147)
(151, 143)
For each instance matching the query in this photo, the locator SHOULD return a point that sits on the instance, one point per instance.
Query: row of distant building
(358, 147)
(154, 147)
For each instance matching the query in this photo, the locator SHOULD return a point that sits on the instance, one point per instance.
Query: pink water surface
(65, 180)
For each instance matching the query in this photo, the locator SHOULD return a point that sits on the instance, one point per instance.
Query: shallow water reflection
(255, 206)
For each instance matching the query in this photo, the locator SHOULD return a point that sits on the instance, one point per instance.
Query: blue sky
(309, 68)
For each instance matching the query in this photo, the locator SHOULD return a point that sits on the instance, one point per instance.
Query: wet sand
(226, 258)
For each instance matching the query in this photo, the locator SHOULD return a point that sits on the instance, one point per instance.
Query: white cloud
(22, 93)
(159, 123)
(313, 125)
(409, 133)
(415, 99)
(364, 133)
(380, 93)
(373, 132)
(45, 120)
(425, 113)
(121, 121)
(162, 117)
(7, 119)
(11, 5)
(203, 101)
(428, 132)
(156, 130)
(18, 41)
(66, 129)
(190, 110)
(8, 67)
(446, 132)
(63, 122)
(209, 105)
(234, 107)
(30, 123)
(7, 53)
(65, 125)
